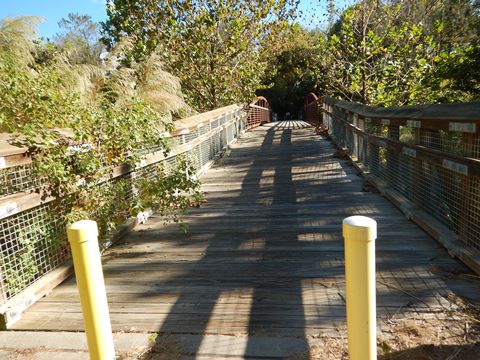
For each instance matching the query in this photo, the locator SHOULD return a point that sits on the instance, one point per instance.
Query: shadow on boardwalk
(270, 296)
(260, 273)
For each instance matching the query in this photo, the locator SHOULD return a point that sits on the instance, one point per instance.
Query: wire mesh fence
(17, 178)
(33, 243)
(431, 162)
(33, 240)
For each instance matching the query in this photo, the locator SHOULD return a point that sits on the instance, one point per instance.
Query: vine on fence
(78, 123)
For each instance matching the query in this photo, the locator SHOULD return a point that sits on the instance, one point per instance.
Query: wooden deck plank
(264, 254)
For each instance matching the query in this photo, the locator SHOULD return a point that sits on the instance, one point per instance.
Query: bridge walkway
(260, 271)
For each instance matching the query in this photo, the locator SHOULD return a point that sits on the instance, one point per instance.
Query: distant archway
(259, 112)
(311, 113)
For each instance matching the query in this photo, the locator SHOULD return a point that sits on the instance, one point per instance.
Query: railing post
(3, 289)
(83, 238)
(392, 157)
(468, 191)
(362, 141)
(355, 149)
(359, 233)
(374, 159)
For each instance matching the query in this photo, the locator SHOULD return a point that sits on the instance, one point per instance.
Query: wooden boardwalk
(262, 262)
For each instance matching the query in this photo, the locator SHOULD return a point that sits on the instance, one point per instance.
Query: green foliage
(31, 250)
(174, 190)
(458, 74)
(145, 20)
(293, 70)
(80, 121)
(20, 266)
(216, 48)
(402, 52)
(377, 59)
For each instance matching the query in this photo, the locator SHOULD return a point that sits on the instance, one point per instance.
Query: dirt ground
(446, 336)
(449, 335)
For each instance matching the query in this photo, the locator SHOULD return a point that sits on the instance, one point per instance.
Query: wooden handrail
(433, 179)
(203, 137)
(24, 200)
(469, 165)
(11, 155)
(430, 115)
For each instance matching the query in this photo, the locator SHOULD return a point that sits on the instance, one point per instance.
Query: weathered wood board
(264, 254)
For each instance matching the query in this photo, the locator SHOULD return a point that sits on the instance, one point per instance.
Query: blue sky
(53, 11)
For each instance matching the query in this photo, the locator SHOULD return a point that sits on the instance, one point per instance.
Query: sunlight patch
(230, 316)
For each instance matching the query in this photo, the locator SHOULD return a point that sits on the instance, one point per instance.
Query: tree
(403, 52)
(375, 56)
(459, 18)
(331, 13)
(293, 69)
(215, 47)
(458, 74)
(115, 111)
(147, 20)
(80, 36)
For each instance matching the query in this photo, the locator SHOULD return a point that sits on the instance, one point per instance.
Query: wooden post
(418, 182)
(374, 159)
(355, 148)
(3, 289)
(362, 142)
(392, 157)
(468, 207)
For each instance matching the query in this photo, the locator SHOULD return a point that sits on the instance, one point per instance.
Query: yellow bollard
(359, 233)
(83, 238)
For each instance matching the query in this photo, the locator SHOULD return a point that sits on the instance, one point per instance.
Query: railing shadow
(256, 268)
(288, 314)
(246, 263)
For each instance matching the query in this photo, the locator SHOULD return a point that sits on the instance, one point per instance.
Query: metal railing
(425, 159)
(34, 252)
(259, 112)
(310, 110)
